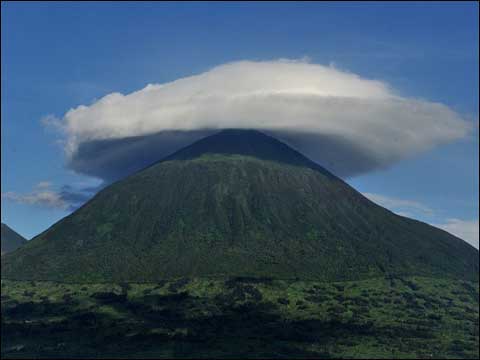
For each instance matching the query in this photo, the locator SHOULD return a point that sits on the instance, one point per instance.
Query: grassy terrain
(242, 318)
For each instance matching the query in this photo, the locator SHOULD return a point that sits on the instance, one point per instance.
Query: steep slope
(10, 239)
(238, 203)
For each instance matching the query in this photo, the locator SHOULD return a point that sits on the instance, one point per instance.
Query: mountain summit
(247, 143)
(237, 203)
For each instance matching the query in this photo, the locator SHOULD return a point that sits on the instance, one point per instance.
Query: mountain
(10, 239)
(237, 204)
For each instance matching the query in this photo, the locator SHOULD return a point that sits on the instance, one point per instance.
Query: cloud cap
(344, 122)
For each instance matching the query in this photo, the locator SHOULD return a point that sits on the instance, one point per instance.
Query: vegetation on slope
(414, 317)
(209, 211)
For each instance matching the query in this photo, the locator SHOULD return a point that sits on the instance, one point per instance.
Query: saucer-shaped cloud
(344, 122)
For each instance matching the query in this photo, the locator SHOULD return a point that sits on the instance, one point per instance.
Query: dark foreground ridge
(237, 203)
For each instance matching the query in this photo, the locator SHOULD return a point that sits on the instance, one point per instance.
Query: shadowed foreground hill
(10, 239)
(238, 203)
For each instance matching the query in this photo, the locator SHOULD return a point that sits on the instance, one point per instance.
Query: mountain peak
(247, 142)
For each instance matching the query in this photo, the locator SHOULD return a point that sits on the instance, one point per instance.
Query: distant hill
(11, 240)
(237, 203)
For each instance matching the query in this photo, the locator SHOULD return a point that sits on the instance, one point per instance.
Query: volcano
(238, 203)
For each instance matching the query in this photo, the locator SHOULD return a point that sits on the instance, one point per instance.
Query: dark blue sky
(56, 56)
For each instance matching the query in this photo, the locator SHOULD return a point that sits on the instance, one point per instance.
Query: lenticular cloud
(346, 123)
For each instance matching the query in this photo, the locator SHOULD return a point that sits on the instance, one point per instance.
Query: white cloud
(39, 197)
(43, 184)
(67, 198)
(400, 206)
(51, 121)
(464, 229)
(282, 96)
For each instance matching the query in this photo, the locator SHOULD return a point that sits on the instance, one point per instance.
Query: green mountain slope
(238, 203)
(10, 239)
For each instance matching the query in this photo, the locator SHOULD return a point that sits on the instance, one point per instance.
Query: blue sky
(57, 56)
